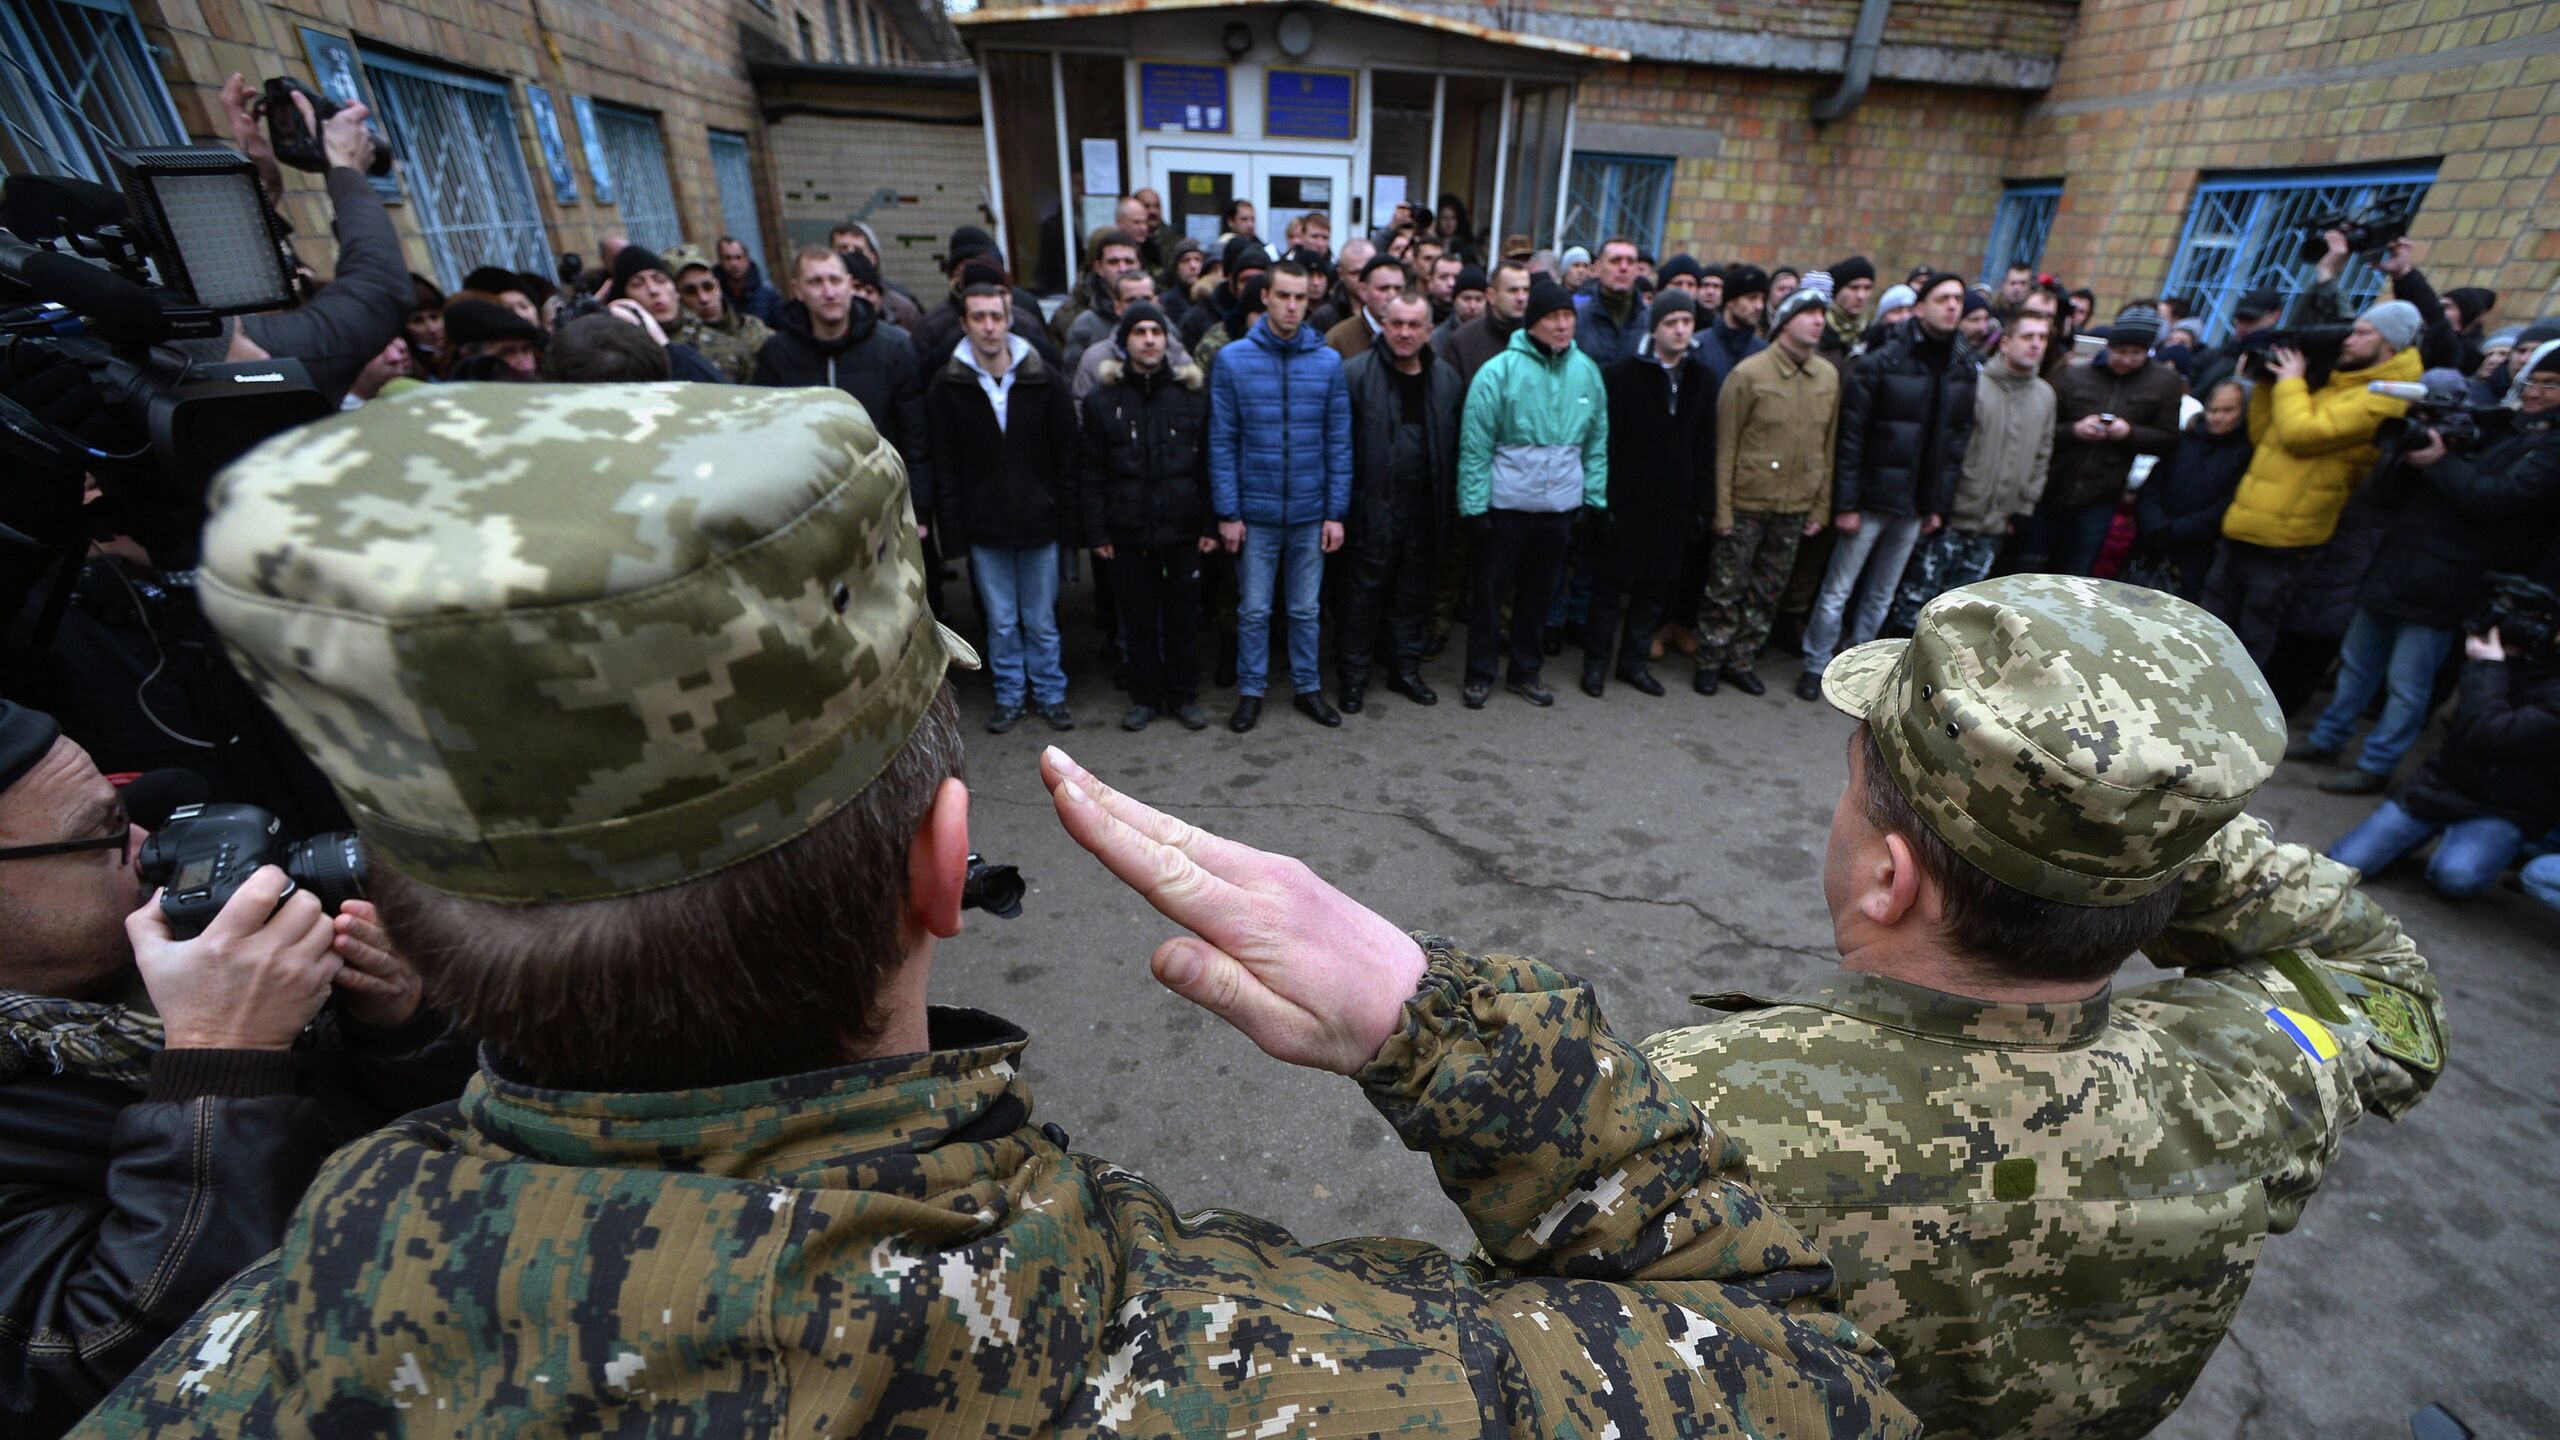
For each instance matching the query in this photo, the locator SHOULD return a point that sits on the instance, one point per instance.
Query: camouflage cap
(554, 642)
(2075, 738)
(686, 256)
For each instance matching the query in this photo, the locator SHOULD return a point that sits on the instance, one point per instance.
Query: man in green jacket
(1533, 466)
(2045, 1198)
(649, 740)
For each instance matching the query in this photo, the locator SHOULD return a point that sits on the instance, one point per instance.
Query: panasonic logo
(270, 378)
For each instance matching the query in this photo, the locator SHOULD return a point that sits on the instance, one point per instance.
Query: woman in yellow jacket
(2313, 446)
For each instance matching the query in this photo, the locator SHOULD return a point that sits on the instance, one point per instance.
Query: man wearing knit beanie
(2107, 411)
(1533, 455)
(2315, 445)
(1141, 491)
(1853, 284)
(1467, 300)
(1729, 333)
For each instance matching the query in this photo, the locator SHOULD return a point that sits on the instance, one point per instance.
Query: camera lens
(330, 866)
(996, 889)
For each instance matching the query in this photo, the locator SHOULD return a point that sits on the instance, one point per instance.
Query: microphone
(45, 207)
(151, 796)
(115, 307)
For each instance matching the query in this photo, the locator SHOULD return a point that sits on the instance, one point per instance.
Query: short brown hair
(1999, 927)
(769, 967)
(808, 255)
(602, 349)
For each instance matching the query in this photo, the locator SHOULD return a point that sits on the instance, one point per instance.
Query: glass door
(1288, 186)
(1196, 185)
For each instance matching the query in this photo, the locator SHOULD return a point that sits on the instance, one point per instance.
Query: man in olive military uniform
(635, 698)
(2045, 1198)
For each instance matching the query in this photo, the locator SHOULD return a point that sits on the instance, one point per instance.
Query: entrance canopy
(1342, 108)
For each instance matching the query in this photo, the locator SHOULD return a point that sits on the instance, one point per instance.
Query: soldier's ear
(1891, 896)
(938, 861)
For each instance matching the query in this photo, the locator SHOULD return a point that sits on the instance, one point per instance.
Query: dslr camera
(206, 852)
(2368, 231)
(2440, 402)
(2525, 615)
(297, 144)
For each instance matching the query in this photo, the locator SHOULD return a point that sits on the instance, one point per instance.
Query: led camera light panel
(220, 229)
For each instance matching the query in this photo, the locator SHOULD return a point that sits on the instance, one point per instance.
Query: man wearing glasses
(161, 1104)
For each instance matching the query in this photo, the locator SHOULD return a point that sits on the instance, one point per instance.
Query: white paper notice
(1203, 228)
(1316, 192)
(1386, 192)
(1102, 167)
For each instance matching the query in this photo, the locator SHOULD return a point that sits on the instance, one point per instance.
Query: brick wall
(1912, 176)
(2153, 95)
(678, 58)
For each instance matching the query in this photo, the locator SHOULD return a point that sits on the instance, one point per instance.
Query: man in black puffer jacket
(164, 1102)
(1405, 406)
(2458, 518)
(2178, 511)
(830, 337)
(1906, 415)
(1142, 507)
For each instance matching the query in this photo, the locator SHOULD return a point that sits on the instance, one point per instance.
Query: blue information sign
(1307, 104)
(1182, 97)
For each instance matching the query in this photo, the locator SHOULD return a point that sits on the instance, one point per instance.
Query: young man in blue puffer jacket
(1280, 477)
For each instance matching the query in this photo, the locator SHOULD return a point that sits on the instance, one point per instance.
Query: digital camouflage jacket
(893, 1248)
(2048, 1213)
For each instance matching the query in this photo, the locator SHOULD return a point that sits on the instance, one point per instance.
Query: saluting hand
(1307, 973)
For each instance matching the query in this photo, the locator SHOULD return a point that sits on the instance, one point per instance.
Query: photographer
(2460, 517)
(2313, 446)
(371, 296)
(2492, 785)
(163, 1109)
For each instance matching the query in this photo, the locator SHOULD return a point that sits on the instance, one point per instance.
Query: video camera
(95, 285)
(2525, 615)
(297, 144)
(2319, 344)
(207, 852)
(2368, 230)
(2440, 402)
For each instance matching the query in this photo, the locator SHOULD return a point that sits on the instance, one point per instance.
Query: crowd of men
(648, 738)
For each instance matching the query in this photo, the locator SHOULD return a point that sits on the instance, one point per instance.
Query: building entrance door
(1196, 185)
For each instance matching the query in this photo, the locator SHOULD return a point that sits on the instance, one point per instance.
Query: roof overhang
(1012, 22)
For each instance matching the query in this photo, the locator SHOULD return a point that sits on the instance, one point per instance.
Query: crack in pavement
(1485, 860)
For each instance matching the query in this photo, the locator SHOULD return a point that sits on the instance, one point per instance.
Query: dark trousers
(2250, 590)
(1386, 595)
(1159, 595)
(1522, 558)
(2065, 539)
(1601, 631)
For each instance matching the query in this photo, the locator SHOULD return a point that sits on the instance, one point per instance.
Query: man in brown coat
(2107, 411)
(1776, 424)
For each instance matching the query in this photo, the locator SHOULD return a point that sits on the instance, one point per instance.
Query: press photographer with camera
(368, 298)
(161, 1105)
(2495, 781)
(2487, 499)
(2313, 446)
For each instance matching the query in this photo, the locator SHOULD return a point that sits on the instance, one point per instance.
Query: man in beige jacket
(2004, 473)
(1776, 422)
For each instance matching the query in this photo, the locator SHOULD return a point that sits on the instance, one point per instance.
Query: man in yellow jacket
(2313, 446)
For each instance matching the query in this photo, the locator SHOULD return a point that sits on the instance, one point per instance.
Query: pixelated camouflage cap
(553, 642)
(2075, 738)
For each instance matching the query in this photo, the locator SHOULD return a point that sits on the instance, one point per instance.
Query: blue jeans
(1878, 550)
(2469, 860)
(1269, 551)
(2379, 652)
(1018, 585)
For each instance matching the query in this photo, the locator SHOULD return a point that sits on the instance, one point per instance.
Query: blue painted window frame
(1593, 217)
(2020, 226)
(2243, 230)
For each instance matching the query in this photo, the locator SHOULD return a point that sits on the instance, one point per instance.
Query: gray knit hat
(1812, 291)
(2396, 321)
(2135, 325)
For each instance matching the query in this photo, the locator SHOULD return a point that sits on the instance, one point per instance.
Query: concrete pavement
(1663, 847)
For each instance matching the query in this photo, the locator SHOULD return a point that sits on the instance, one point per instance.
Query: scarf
(76, 1037)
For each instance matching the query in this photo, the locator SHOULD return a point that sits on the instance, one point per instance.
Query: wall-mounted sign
(598, 167)
(1182, 97)
(337, 72)
(555, 148)
(1308, 104)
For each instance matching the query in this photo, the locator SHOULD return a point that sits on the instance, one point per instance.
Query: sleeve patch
(2402, 1028)
(2302, 1030)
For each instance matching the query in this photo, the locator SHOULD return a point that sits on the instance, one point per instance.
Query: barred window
(2245, 232)
(638, 155)
(464, 166)
(2018, 230)
(1617, 195)
(73, 69)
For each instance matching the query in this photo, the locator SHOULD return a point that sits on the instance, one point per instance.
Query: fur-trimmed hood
(1189, 375)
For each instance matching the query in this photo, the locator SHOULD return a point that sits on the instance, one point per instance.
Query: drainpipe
(1863, 44)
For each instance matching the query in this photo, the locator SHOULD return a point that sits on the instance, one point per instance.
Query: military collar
(879, 1124)
(1935, 1014)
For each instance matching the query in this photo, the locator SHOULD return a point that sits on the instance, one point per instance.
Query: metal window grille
(2019, 228)
(808, 38)
(2245, 232)
(72, 65)
(465, 168)
(871, 21)
(835, 30)
(736, 175)
(639, 157)
(1617, 195)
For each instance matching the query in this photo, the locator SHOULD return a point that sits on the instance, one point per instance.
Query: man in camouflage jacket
(681, 1226)
(2044, 1198)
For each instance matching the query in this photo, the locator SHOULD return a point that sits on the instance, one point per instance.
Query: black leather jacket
(121, 1212)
